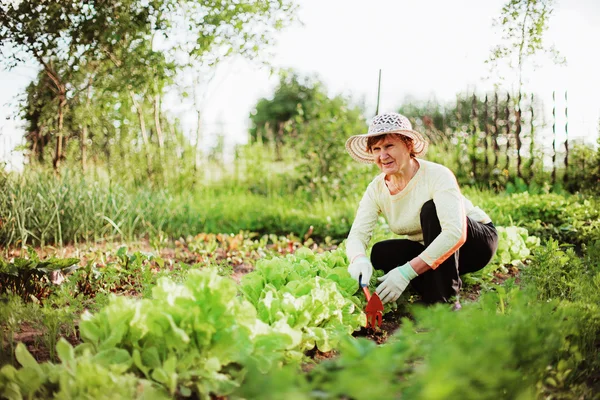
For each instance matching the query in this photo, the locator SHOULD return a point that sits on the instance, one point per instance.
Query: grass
(40, 210)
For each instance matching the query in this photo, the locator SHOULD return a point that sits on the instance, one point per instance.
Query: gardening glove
(361, 270)
(394, 283)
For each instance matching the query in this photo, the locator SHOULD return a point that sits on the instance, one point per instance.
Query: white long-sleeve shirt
(402, 212)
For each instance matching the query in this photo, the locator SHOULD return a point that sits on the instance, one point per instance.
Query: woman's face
(391, 154)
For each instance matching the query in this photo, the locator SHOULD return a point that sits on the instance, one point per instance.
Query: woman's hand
(394, 283)
(361, 270)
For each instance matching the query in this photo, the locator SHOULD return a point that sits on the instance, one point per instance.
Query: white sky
(426, 48)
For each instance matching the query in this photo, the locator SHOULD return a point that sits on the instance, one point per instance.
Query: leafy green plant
(309, 294)
(189, 338)
(14, 312)
(573, 219)
(29, 277)
(514, 245)
(439, 356)
(80, 375)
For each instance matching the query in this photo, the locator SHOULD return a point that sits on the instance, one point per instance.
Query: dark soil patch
(36, 340)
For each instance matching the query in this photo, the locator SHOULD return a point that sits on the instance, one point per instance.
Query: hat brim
(356, 145)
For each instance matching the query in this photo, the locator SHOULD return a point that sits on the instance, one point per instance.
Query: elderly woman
(447, 235)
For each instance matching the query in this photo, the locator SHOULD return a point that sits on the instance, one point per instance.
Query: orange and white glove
(394, 283)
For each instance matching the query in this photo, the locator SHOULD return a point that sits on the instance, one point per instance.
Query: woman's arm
(419, 265)
(363, 225)
(450, 211)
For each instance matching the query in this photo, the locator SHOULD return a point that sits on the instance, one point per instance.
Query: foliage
(537, 341)
(190, 338)
(322, 132)
(85, 210)
(507, 357)
(514, 244)
(13, 314)
(584, 168)
(105, 68)
(293, 96)
(30, 277)
(316, 126)
(80, 210)
(308, 294)
(570, 219)
(198, 338)
(82, 376)
(523, 24)
(560, 274)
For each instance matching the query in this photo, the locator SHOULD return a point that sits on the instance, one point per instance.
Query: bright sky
(426, 48)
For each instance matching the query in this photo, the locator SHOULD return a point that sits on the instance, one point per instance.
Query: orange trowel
(374, 307)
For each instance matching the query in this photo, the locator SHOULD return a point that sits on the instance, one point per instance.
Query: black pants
(440, 284)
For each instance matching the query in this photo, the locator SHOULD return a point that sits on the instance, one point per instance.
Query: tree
(89, 48)
(523, 24)
(72, 35)
(293, 95)
(315, 124)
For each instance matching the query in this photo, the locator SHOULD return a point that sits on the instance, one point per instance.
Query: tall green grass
(37, 208)
(41, 209)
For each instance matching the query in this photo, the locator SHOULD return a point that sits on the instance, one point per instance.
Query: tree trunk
(532, 143)
(279, 142)
(62, 101)
(459, 129)
(159, 132)
(84, 131)
(198, 162)
(140, 113)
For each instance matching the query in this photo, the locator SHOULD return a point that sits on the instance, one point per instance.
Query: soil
(33, 337)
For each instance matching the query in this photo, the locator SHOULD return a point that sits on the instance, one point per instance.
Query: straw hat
(382, 124)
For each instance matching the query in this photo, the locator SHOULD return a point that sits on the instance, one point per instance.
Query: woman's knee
(391, 253)
(383, 253)
(430, 223)
(428, 211)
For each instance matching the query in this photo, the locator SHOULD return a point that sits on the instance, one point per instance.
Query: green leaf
(150, 358)
(111, 357)
(185, 391)
(90, 331)
(25, 358)
(65, 350)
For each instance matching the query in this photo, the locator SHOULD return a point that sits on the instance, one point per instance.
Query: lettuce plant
(309, 294)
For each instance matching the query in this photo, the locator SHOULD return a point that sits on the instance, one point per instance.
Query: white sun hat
(382, 124)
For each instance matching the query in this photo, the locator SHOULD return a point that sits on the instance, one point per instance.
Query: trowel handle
(365, 288)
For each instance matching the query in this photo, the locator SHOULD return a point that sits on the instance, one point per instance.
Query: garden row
(79, 211)
(208, 336)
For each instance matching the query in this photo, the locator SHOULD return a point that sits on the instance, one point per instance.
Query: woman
(447, 235)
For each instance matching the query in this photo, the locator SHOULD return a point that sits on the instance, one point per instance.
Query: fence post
(518, 135)
(553, 137)
(459, 126)
(474, 136)
(566, 175)
(486, 130)
(495, 135)
(507, 166)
